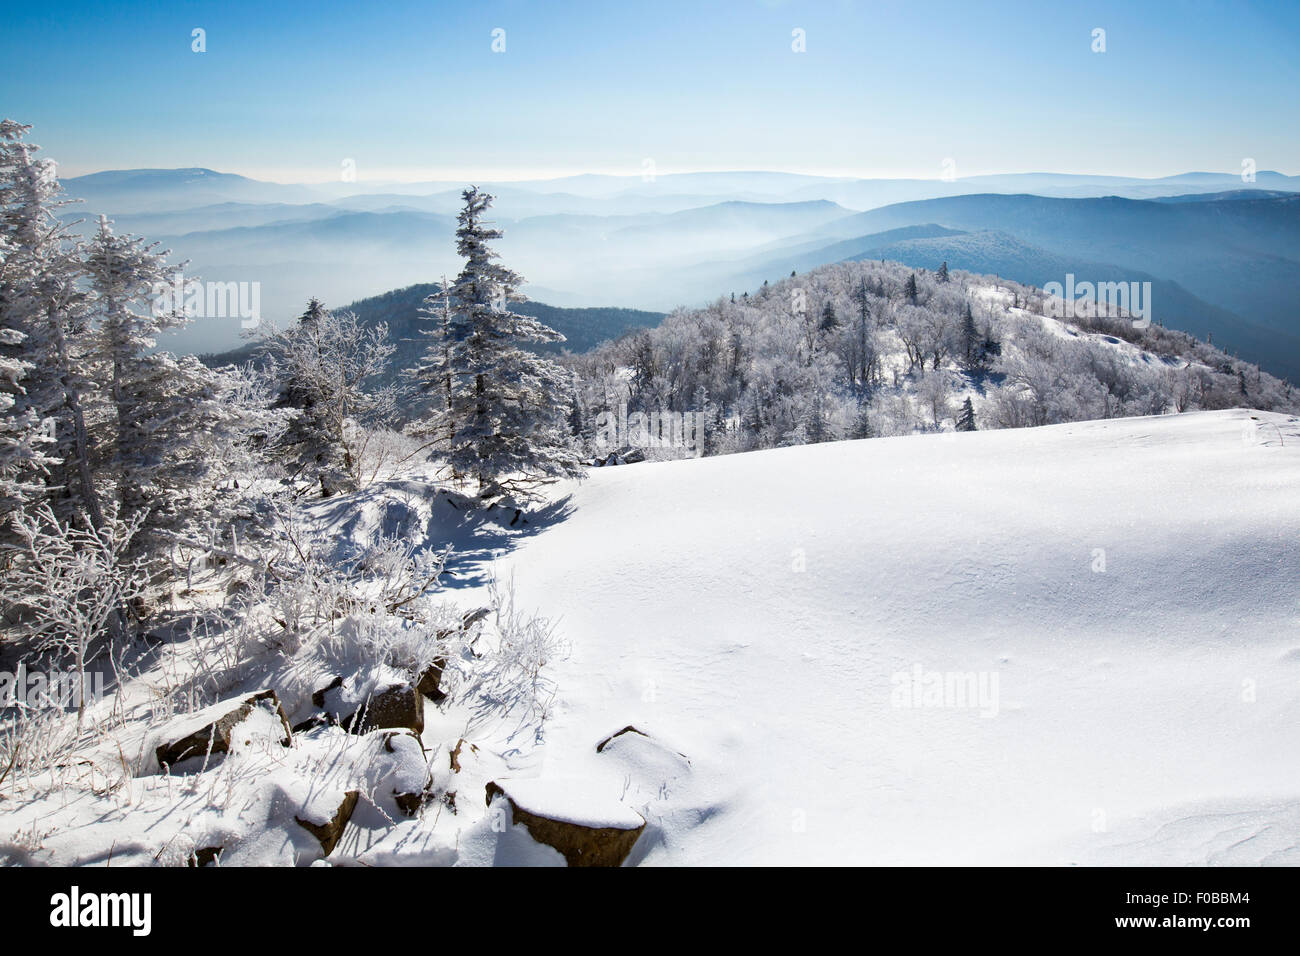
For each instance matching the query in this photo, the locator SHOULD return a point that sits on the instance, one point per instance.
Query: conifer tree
(434, 375)
(829, 319)
(910, 290)
(151, 407)
(861, 427)
(329, 364)
(966, 421)
(970, 341)
(508, 405)
(42, 328)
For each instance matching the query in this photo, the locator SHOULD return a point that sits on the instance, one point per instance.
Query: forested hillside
(870, 348)
(582, 329)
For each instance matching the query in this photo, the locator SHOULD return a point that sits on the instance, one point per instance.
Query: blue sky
(413, 90)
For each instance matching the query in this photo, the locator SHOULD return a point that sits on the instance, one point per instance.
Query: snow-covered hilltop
(1054, 645)
(1123, 595)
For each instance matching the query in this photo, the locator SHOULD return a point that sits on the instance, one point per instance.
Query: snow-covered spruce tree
(43, 318)
(327, 364)
(433, 377)
(23, 460)
(155, 405)
(966, 421)
(508, 406)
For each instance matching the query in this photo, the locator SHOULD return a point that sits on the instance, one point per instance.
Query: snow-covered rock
(586, 827)
(215, 729)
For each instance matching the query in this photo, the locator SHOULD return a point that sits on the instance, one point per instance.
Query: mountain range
(1223, 255)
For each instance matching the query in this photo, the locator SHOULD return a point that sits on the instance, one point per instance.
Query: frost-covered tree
(23, 458)
(73, 584)
(156, 406)
(507, 408)
(434, 376)
(933, 391)
(41, 321)
(328, 365)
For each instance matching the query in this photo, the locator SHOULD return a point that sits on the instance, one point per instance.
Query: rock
(648, 767)
(398, 706)
(311, 723)
(318, 697)
(579, 845)
(215, 736)
(411, 780)
(331, 832)
(429, 682)
(639, 740)
(629, 729)
(627, 455)
(390, 707)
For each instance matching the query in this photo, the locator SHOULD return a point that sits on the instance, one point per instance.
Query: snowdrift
(1073, 644)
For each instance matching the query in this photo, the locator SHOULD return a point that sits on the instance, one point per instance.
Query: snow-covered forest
(867, 348)
(285, 592)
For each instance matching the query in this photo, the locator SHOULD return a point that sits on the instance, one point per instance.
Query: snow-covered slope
(1125, 596)
(1072, 644)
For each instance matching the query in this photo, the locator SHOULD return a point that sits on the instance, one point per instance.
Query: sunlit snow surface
(1123, 596)
(752, 611)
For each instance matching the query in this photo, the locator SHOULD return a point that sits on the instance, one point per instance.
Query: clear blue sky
(412, 90)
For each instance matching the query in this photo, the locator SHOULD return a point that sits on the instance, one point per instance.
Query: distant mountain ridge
(1224, 254)
(400, 309)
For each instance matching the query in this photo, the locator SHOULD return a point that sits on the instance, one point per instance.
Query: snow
(570, 801)
(1127, 697)
(1072, 644)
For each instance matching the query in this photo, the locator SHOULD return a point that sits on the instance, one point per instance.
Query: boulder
(331, 831)
(629, 729)
(318, 697)
(599, 839)
(411, 780)
(627, 455)
(429, 683)
(397, 705)
(216, 724)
